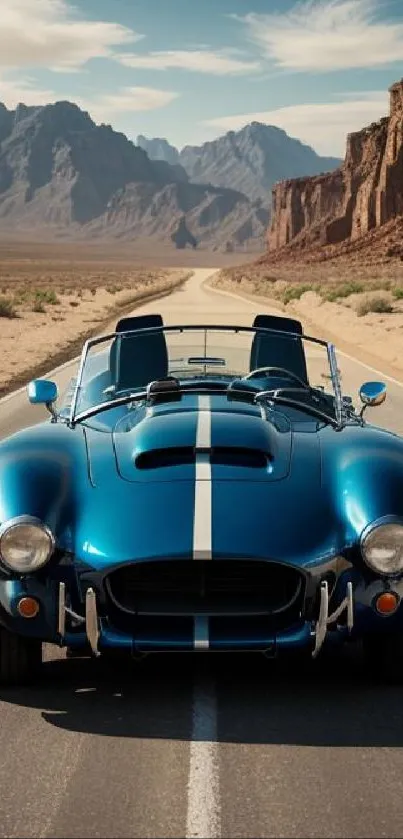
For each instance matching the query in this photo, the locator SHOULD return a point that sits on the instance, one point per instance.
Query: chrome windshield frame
(334, 372)
(235, 329)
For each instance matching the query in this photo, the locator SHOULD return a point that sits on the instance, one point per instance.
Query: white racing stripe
(203, 432)
(202, 530)
(203, 799)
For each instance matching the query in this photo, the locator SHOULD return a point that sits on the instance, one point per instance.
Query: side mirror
(43, 392)
(372, 394)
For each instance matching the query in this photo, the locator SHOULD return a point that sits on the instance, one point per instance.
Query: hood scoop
(163, 447)
(219, 456)
(163, 458)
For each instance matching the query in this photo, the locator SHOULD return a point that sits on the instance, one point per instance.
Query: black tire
(383, 657)
(20, 658)
(291, 663)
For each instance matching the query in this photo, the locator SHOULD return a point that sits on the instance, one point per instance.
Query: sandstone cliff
(343, 206)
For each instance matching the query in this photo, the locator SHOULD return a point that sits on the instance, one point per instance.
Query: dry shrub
(380, 305)
(7, 309)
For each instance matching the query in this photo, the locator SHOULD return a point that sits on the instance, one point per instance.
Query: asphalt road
(200, 746)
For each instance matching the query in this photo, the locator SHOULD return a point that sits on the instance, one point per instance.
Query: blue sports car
(201, 488)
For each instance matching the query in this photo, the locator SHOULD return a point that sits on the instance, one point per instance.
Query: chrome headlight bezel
(27, 521)
(370, 531)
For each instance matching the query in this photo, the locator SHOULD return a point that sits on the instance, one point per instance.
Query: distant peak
(153, 139)
(263, 128)
(158, 148)
(23, 111)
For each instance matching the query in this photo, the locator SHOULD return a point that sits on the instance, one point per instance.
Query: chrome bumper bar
(325, 619)
(61, 616)
(90, 620)
(92, 623)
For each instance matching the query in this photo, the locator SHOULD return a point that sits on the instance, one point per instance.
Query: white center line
(203, 801)
(201, 640)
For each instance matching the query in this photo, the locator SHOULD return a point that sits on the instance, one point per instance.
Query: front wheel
(383, 657)
(20, 658)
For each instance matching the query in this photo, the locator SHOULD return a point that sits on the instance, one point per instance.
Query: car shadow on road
(329, 703)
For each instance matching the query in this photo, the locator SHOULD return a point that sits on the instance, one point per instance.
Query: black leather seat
(277, 350)
(136, 360)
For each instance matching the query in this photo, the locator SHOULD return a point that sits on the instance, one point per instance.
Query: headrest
(270, 350)
(126, 325)
(282, 324)
(138, 322)
(137, 360)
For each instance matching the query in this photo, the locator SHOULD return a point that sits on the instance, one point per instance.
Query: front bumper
(338, 603)
(206, 635)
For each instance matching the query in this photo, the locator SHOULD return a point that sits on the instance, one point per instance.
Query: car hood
(308, 497)
(264, 499)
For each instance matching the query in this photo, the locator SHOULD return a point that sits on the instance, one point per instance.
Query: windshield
(120, 364)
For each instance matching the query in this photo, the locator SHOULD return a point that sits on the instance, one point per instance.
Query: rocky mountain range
(64, 176)
(61, 175)
(251, 160)
(357, 208)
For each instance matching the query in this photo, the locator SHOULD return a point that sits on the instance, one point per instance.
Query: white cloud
(326, 35)
(52, 34)
(23, 90)
(102, 108)
(323, 126)
(220, 63)
(126, 100)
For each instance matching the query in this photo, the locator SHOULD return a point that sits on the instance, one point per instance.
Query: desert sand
(53, 297)
(336, 302)
(51, 301)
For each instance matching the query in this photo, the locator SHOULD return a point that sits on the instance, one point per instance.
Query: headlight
(382, 548)
(25, 544)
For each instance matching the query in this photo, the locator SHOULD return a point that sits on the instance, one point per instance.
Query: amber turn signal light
(28, 607)
(387, 603)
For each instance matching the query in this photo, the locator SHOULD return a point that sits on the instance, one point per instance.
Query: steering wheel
(267, 371)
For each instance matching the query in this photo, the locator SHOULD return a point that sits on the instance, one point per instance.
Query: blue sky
(189, 70)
